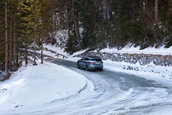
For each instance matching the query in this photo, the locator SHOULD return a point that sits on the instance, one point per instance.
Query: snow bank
(147, 71)
(136, 50)
(33, 86)
(54, 51)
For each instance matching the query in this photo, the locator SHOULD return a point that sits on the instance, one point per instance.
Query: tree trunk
(144, 6)
(170, 10)
(17, 54)
(76, 24)
(77, 30)
(6, 40)
(156, 11)
(68, 17)
(14, 46)
(41, 54)
(26, 54)
(10, 50)
(52, 28)
(94, 18)
(34, 61)
(106, 9)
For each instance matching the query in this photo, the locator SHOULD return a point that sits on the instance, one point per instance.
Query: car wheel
(101, 69)
(86, 68)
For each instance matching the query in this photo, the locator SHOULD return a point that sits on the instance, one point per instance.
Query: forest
(90, 24)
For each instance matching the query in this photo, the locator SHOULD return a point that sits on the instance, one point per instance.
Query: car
(90, 63)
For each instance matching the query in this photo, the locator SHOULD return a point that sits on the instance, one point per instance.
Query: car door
(85, 62)
(82, 63)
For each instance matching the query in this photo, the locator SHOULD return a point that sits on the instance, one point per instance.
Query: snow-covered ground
(149, 70)
(58, 52)
(33, 87)
(49, 88)
(52, 88)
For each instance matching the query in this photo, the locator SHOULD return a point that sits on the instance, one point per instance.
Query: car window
(86, 59)
(97, 59)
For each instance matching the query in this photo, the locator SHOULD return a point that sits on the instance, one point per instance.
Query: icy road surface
(112, 93)
(117, 94)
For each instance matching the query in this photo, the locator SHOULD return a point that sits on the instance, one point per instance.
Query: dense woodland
(90, 23)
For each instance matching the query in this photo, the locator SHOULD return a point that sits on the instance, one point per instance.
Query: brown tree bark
(6, 39)
(14, 44)
(156, 11)
(68, 18)
(76, 24)
(26, 54)
(17, 54)
(34, 61)
(144, 6)
(106, 9)
(94, 18)
(170, 9)
(10, 49)
(42, 54)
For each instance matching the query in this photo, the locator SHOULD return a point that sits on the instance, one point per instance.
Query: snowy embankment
(149, 62)
(130, 59)
(148, 71)
(130, 49)
(22, 91)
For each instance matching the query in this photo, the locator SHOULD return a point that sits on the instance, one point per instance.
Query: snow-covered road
(119, 93)
(107, 93)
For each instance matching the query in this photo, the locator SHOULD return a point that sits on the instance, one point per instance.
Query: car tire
(101, 69)
(86, 68)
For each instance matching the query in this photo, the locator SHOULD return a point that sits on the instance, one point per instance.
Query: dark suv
(90, 63)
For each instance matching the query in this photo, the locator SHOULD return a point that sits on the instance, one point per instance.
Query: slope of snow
(56, 49)
(34, 86)
(131, 50)
(148, 71)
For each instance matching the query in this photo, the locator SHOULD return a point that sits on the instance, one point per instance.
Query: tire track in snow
(114, 93)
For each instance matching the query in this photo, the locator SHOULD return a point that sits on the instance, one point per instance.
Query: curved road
(114, 94)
